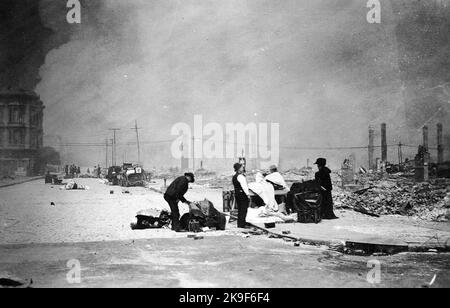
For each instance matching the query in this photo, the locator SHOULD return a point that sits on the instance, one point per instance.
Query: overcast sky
(316, 67)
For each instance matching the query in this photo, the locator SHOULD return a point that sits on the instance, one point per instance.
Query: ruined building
(21, 132)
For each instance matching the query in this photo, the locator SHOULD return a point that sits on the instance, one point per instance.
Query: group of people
(97, 171)
(178, 188)
(72, 170)
(242, 192)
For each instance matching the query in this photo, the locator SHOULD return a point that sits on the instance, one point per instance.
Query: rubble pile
(399, 196)
(298, 175)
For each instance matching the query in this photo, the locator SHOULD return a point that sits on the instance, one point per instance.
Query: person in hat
(323, 178)
(276, 179)
(175, 193)
(242, 194)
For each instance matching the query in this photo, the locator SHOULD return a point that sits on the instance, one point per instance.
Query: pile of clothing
(151, 219)
(196, 218)
(202, 215)
(72, 185)
(270, 210)
(266, 192)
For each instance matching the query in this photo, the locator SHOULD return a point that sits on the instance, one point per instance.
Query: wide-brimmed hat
(321, 162)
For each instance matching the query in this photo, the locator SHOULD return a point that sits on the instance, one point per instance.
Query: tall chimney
(440, 143)
(371, 148)
(384, 149)
(425, 138)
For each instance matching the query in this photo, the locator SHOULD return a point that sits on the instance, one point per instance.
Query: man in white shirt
(242, 194)
(276, 179)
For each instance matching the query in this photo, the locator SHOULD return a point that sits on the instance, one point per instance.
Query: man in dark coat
(323, 178)
(175, 193)
(242, 194)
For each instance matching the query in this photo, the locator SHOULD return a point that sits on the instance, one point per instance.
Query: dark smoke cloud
(317, 67)
(22, 43)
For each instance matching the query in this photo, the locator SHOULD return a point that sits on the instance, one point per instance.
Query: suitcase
(308, 206)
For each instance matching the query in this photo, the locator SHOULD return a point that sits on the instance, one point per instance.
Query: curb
(365, 248)
(22, 182)
(439, 247)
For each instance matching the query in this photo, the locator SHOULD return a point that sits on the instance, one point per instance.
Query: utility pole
(136, 128)
(61, 150)
(193, 153)
(114, 145)
(107, 145)
(112, 150)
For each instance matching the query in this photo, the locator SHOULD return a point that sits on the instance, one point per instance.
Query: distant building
(185, 161)
(21, 131)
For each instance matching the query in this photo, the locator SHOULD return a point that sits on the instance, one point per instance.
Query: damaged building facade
(21, 132)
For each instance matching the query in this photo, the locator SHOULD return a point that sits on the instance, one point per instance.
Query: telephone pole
(193, 154)
(114, 145)
(107, 145)
(112, 150)
(136, 128)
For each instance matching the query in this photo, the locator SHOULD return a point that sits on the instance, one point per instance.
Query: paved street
(37, 240)
(229, 261)
(27, 216)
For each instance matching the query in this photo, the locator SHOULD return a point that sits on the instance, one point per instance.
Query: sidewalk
(391, 233)
(21, 180)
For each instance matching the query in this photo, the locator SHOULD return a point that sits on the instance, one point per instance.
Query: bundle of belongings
(268, 210)
(277, 180)
(196, 218)
(265, 191)
(74, 186)
(202, 215)
(306, 199)
(279, 184)
(151, 219)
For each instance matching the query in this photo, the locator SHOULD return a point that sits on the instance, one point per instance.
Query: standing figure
(323, 178)
(242, 194)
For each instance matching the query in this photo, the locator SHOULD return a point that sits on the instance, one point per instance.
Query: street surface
(27, 216)
(37, 240)
(229, 262)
